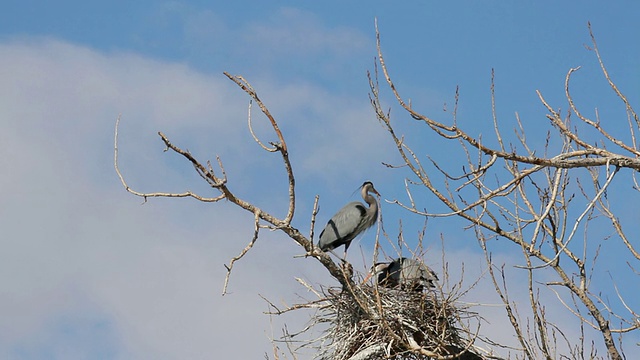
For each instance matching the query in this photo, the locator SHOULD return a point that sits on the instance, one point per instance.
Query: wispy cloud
(300, 33)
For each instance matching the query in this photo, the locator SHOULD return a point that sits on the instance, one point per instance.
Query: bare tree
(400, 327)
(547, 207)
(505, 191)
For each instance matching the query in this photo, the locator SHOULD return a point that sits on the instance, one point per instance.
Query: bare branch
(273, 149)
(613, 86)
(256, 231)
(145, 196)
(595, 124)
(281, 145)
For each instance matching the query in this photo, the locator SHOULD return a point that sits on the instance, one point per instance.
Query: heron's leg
(346, 246)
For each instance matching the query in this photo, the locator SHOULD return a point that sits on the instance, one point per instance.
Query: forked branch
(220, 183)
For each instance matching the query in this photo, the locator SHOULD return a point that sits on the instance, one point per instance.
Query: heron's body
(350, 221)
(406, 274)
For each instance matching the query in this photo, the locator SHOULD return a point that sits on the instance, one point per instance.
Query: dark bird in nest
(403, 273)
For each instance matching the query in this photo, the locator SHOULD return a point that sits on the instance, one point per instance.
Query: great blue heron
(403, 273)
(350, 221)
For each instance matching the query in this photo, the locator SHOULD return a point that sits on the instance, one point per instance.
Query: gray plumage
(406, 274)
(350, 221)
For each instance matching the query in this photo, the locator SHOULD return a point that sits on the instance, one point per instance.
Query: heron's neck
(370, 199)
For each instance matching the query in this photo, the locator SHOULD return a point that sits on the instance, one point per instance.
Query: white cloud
(81, 254)
(76, 245)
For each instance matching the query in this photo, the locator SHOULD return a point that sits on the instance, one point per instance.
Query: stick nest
(373, 322)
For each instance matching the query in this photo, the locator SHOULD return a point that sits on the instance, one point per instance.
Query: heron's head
(376, 270)
(367, 186)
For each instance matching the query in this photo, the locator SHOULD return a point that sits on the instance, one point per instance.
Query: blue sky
(87, 272)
